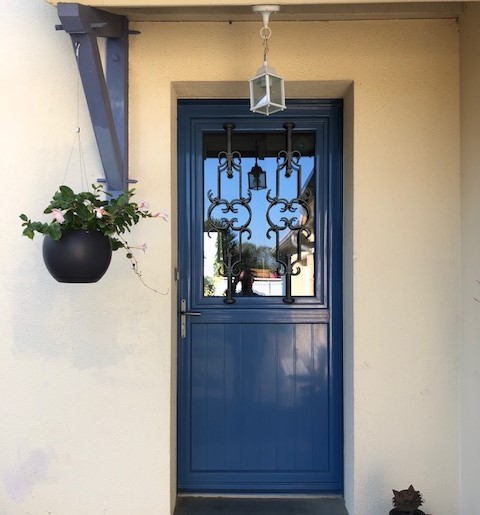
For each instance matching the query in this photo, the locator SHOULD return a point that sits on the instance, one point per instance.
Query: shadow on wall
(81, 323)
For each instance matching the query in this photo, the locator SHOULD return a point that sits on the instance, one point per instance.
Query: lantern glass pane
(257, 179)
(252, 181)
(260, 97)
(276, 90)
(262, 181)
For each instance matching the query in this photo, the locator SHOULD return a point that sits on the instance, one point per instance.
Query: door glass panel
(259, 232)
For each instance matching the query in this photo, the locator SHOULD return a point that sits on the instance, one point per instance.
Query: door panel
(260, 376)
(257, 399)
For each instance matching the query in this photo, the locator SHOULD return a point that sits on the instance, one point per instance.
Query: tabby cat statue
(407, 502)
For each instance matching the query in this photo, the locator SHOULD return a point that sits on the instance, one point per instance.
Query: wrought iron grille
(230, 163)
(289, 161)
(288, 214)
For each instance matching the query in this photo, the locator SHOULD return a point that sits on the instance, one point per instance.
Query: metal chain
(265, 33)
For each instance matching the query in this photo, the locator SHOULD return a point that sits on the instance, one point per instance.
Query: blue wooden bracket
(106, 93)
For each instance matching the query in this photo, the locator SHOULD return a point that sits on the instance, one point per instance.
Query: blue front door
(260, 281)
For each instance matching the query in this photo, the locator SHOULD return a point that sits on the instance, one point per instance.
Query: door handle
(183, 310)
(183, 317)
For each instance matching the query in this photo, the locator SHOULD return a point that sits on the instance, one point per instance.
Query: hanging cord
(77, 132)
(83, 168)
(77, 139)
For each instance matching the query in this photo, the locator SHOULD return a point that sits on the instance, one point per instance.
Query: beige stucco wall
(84, 369)
(87, 372)
(470, 362)
(405, 219)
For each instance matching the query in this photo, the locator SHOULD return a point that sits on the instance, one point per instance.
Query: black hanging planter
(79, 256)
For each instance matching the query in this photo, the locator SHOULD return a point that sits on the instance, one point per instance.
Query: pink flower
(58, 215)
(162, 214)
(99, 211)
(142, 247)
(143, 205)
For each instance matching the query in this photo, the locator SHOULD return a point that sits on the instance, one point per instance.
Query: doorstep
(193, 505)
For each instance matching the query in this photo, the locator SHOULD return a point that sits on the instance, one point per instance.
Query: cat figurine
(407, 502)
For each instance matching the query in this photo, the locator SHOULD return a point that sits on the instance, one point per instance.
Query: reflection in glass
(258, 270)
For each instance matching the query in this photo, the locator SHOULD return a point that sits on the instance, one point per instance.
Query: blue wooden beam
(107, 98)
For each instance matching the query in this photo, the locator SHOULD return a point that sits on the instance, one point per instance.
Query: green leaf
(122, 200)
(55, 231)
(116, 244)
(28, 232)
(67, 192)
(24, 217)
(83, 212)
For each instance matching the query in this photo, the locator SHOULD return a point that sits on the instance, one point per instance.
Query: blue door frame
(260, 402)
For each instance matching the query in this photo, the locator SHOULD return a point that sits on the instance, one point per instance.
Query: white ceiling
(312, 12)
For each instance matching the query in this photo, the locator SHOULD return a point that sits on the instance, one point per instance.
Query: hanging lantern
(257, 178)
(267, 89)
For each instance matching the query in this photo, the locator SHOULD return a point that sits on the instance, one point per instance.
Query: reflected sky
(259, 203)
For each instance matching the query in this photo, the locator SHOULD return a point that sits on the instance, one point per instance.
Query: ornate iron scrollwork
(229, 166)
(288, 214)
(289, 160)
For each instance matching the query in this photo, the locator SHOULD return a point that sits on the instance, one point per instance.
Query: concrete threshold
(201, 505)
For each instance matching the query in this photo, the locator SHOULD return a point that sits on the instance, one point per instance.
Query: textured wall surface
(87, 375)
(470, 361)
(84, 369)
